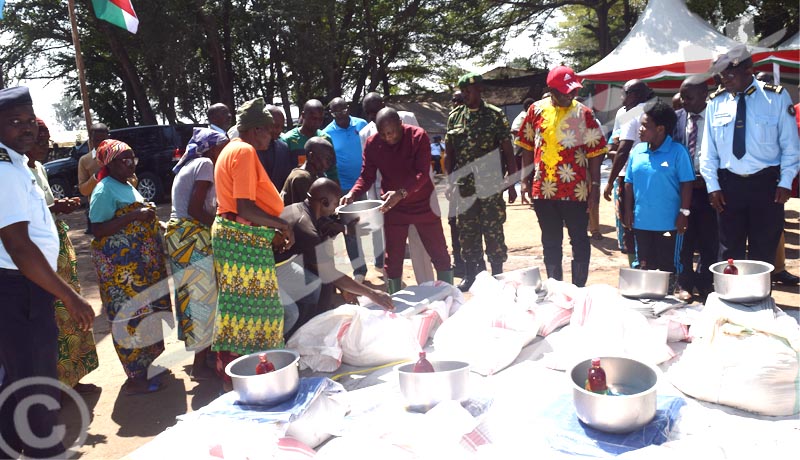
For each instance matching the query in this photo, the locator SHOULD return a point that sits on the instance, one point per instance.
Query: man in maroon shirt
(402, 154)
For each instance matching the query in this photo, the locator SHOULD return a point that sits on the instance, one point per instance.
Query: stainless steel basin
(370, 218)
(523, 277)
(265, 389)
(422, 391)
(634, 405)
(646, 284)
(752, 284)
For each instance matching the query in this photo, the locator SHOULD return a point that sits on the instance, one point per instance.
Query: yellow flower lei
(552, 117)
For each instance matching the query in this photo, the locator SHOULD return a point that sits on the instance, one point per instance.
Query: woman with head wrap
(249, 314)
(77, 355)
(128, 254)
(188, 241)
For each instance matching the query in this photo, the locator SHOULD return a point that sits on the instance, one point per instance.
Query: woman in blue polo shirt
(659, 180)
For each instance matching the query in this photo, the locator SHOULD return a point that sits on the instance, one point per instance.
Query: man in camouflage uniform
(477, 149)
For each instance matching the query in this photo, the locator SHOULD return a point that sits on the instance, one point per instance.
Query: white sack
(744, 357)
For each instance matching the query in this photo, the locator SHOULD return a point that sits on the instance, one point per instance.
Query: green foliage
(578, 41)
(69, 112)
(191, 53)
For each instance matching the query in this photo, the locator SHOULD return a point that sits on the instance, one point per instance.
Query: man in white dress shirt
(28, 284)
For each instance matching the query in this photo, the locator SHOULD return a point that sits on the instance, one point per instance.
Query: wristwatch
(403, 193)
(685, 211)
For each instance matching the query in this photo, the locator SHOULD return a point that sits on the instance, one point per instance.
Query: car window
(79, 151)
(140, 139)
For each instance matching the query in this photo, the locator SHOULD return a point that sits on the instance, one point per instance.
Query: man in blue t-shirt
(659, 180)
(343, 131)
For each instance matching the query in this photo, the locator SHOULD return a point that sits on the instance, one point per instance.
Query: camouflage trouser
(485, 218)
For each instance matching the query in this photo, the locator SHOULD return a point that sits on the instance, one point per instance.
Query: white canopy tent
(667, 44)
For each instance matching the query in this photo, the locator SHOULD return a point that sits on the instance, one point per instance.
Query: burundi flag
(117, 12)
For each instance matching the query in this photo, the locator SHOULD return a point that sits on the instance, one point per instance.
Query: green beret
(252, 114)
(469, 79)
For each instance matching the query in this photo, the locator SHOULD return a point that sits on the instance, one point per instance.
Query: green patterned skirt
(249, 311)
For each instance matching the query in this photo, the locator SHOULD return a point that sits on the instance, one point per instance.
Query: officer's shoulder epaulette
(494, 108)
(717, 93)
(773, 88)
(4, 156)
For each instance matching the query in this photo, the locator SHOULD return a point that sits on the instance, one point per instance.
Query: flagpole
(76, 42)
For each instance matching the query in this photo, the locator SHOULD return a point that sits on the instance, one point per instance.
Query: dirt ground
(119, 424)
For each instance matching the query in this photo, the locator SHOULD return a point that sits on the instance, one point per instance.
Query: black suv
(158, 148)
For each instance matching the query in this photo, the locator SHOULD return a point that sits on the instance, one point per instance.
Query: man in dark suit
(701, 233)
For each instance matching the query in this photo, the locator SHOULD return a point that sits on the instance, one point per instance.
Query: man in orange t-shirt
(250, 315)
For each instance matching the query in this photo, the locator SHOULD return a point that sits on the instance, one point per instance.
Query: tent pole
(776, 73)
(79, 64)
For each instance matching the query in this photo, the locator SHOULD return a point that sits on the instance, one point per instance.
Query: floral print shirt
(562, 140)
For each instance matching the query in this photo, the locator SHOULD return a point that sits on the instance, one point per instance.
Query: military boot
(470, 271)
(393, 285)
(445, 275)
(497, 268)
(458, 267)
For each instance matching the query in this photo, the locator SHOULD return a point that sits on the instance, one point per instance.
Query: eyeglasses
(129, 161)
(18, 123)
(339, 112)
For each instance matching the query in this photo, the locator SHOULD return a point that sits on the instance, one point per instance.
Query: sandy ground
(119, 424)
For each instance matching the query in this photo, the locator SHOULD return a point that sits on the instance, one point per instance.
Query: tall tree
(68, 112)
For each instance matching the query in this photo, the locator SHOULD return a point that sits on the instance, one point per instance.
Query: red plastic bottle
(422, 365)
(730, 269)
(264, 366)
(596, 378)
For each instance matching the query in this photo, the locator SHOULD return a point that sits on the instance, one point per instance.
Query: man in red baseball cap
(563, 80)
(569, 145)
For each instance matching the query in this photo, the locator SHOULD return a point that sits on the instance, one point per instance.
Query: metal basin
(265, 389)
(633, 405)
(370, 218)
(643, 284)
(523, 277)
(422, 391)
(752, 284)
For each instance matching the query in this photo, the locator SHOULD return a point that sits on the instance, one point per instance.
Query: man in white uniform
(28, 284)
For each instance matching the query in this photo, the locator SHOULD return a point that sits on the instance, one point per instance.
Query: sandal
(87, 388)
(153, 385)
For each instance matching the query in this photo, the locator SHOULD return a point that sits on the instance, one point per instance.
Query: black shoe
(469, 277)
(785, 278)
(497, 268)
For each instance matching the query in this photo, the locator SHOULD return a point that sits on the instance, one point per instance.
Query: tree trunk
(130, 115)
(228, 96)
(130, 74)
(603, 32)
(275, 57)
(360, 82)
(629, 19)
(221, 87)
